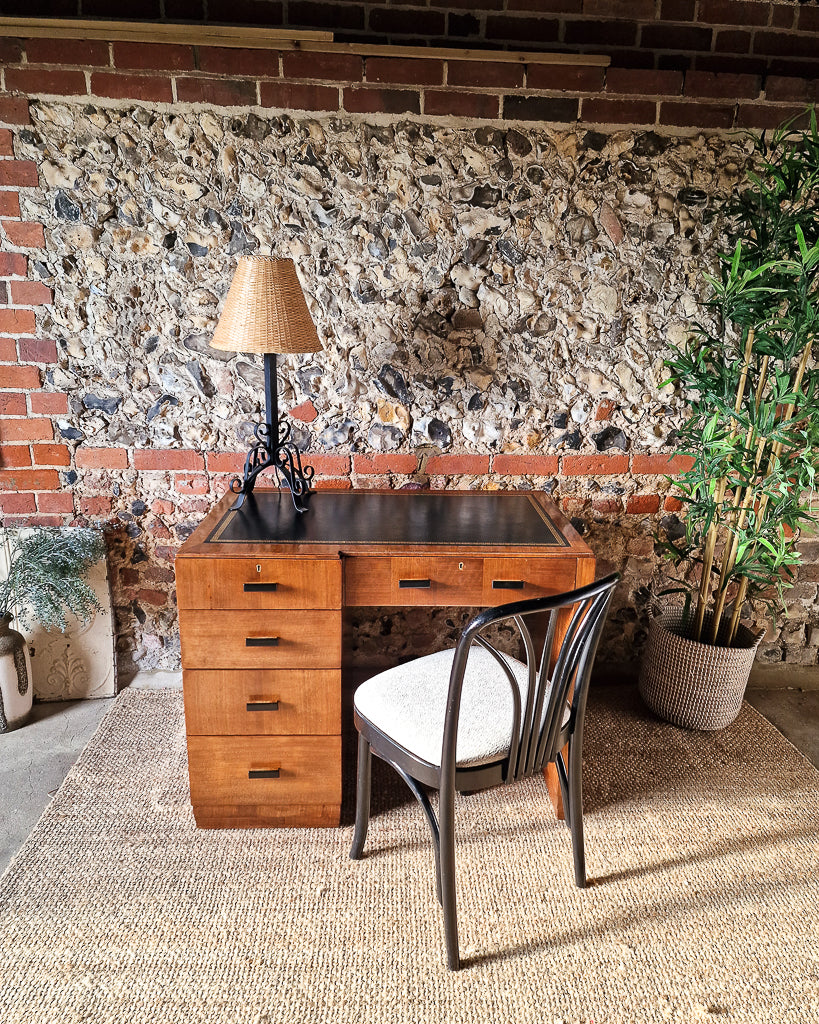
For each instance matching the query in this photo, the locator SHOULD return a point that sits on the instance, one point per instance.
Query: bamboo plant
(752, 431)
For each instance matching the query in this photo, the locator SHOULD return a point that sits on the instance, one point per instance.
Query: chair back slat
(536, 734)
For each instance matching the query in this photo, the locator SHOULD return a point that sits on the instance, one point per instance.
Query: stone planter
(16, 691)
(692, 684)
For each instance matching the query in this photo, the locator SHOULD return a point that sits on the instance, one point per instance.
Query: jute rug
(704, 904)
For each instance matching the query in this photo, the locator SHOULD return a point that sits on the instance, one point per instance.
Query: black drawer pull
(260, 588)
(507, 584)
(414, 584)
(263, 773)
(262, 705)
(261, 641)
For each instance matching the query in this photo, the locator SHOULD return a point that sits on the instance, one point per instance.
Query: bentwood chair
(473, 717)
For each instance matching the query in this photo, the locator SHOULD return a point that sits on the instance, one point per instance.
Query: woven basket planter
(695, 685)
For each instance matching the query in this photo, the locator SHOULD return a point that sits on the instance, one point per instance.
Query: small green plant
(752, 431)
(46, 578)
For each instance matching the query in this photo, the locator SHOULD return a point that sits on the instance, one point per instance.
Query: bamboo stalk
(776, 451)
(713, 529)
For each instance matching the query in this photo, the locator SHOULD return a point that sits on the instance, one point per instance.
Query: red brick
(97, 506)
(390, 21)
(21, 173)
(461, 104)
(154, 597)
(644, 10)
(14, 110)
(540, 108)
(779, 88)
(699, 83)
(530, 30)
(607, 505)
(327, 465)
(387, 462)
(335, 67)
(52, 83)
(50, 454)
(734, 41)
(306, 412)
(672, 505)
(48, 403)
(26, 429)
(14, 455)
(37, 350)
(457, 465)
(13, 264)
(153, 57)
(9, 204)
(21, 377)
(6, 142)
(405, 71)
(676, 38)
(191, 483)
(382, 101)
(61, 502)
(809, 19)
(488, 74)
(11, 51)
(17, 503)
(224, 60)
(226, 462)
(333, 484)
(697, 115)
(12, 403)
(666, 465)
(643, 504)
(644, 82)
(525, 465)
(606, 111)
(16, 322)
(605, 409)
(784, 44)
(84, 52)
(733, 12)
(29, 480)
(8, 350)
(30, 293)
(567, 79)
(222, 92)
(166, 458)
(195, 505)
(25, 234)
(594, 465)
(289, 96)
(101, 458)
(756, 115)
(151, 88)
(677, 10)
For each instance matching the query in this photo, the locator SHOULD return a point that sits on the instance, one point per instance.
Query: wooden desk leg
(553, 784)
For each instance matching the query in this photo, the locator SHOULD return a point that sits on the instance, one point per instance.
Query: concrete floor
(35, 759)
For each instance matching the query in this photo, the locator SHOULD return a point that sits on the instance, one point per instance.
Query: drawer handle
(261, 641)
(263, 705)
(264, 773)
(260, 588)
(507, 584)
(414, 584)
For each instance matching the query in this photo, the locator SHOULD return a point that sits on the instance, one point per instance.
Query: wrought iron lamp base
(274, 450)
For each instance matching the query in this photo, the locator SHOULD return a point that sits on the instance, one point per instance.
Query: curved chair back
(558, 679)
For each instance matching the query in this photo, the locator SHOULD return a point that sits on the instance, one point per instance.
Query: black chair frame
(563, 673)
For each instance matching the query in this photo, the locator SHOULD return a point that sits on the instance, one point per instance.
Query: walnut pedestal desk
(261, 592)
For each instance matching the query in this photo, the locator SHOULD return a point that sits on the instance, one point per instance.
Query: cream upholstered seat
(408, 704)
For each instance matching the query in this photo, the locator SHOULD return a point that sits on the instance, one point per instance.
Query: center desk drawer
(518, 579)
(258, 582)
(264, 770)
(260, 639)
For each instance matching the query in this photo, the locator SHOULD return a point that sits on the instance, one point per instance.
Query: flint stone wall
(495, 307)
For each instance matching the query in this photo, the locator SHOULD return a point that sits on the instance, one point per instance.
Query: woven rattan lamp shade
(265, 310)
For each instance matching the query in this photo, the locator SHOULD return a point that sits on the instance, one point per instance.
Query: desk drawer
(517, 579)
(260, 639)
(235, 772)
(435, 580)
(258, 583)
(262, 702)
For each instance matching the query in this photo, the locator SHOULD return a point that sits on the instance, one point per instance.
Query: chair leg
(446, 813)
(576, 804)
(362, 797)
(429, 814)
(563, 778)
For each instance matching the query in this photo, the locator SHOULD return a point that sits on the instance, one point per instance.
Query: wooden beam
(268, 39)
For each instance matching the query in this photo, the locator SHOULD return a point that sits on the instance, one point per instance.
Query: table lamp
(265, 312)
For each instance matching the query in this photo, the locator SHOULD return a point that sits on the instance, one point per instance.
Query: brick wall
(40, 460)
(741, 36)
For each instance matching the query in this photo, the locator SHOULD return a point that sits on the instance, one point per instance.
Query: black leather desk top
(400, 517)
